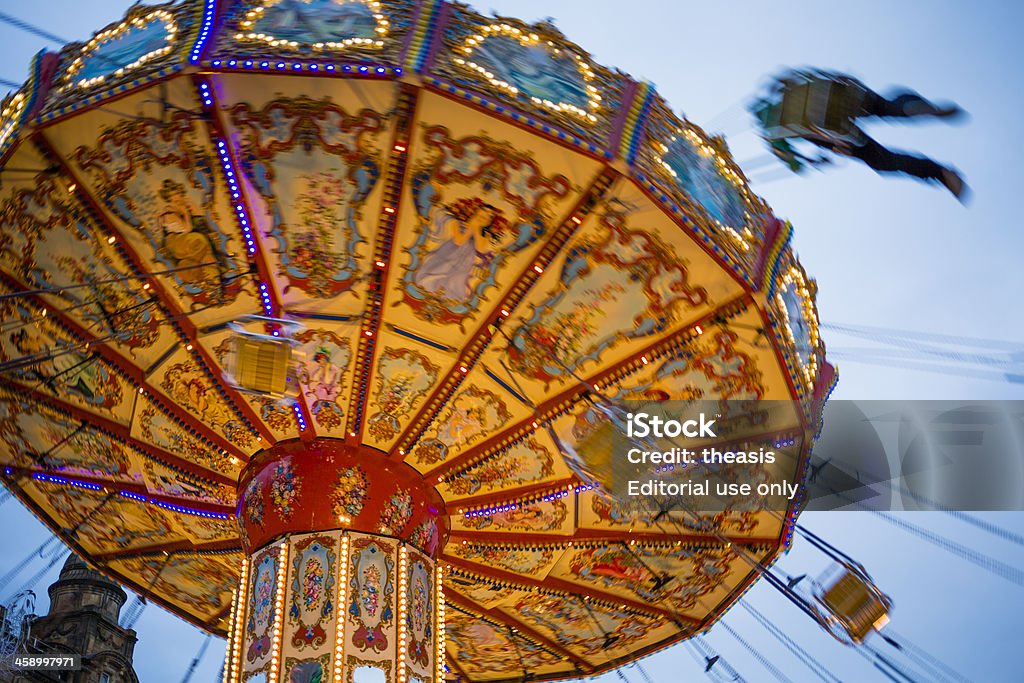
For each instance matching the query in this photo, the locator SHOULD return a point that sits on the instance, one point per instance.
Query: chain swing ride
(305, 304)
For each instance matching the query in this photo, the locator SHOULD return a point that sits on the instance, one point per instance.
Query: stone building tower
(83, 618)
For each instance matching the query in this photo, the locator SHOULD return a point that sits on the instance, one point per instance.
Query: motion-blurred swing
(264, 364)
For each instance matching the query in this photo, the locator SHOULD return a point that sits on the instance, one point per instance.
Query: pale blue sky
(886, 252)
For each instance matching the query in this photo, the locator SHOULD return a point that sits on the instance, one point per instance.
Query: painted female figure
(322, 381)
(469, 231)
(188, 239)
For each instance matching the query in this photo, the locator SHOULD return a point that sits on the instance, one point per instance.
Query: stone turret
(85, 607)
(80, 588)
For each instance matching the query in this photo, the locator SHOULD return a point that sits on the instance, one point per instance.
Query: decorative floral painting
(478, 202)
(712, 369)
(395, 514)
(709, 369)
(529, 561)
(419, 618)
(120, 522)
(155, 427)
(313, 165)
(585, 626)
(473, 413)
(202, 584)
(285, 488)
(164, 480)
(251, 506)
(92, 451)
(616, 285)
(607, 513)
(481, 591)
(403, 378)
(371, 594)
(349, 493)
(37, 436)
(322, 374)
(538, 516)
(205, 529)
(425, 536)
(312, 591)
(189, 386)
(50, 241)
(71, 372)
(260, 610)
(163, 183)
(481, 646)
(524, 462)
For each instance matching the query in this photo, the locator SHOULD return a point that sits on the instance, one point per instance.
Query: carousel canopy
(473, 222)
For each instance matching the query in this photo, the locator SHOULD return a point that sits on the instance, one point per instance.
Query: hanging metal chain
(762, 660)
(819, 669)
(921, 655)
(1001, 569)
(9, 576)
(988, 527)
(196, 659)
(713, 662)
(29, 583)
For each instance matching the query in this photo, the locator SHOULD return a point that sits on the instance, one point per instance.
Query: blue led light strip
(300, 417)
(67, 482)
(331, 68)
(557, 494)
(204, 31)
(64, 481)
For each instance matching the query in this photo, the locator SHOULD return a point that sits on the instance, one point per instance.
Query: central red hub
(302, 486)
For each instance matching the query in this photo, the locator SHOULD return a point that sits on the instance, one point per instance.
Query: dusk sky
(887, 252)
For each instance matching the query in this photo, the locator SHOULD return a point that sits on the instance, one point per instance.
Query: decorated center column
(339, 573)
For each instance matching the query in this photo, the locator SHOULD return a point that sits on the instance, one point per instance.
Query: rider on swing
(822, 107)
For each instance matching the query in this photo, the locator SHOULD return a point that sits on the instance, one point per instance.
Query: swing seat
(857, 604)
(263, 364)
(815, 107)
(593, 461)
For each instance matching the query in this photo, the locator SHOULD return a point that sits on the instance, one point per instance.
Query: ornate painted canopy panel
(474, 222)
